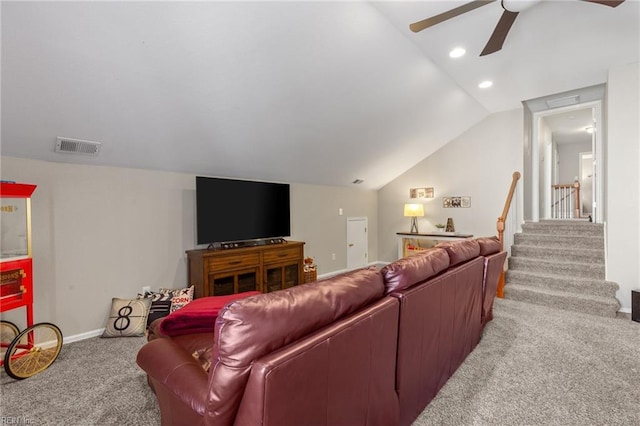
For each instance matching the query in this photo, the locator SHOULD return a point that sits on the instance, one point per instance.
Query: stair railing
(566, 201)
(511, 225)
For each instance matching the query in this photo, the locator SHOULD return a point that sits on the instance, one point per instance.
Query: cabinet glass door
(290, 275)
(222, 285)
(233, 282)
(247, 281)
(273, 280)
(278, 277)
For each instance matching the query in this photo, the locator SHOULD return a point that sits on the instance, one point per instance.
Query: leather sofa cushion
(493, 267)
(439, 326)
(250, 328)
(488, 245)
(460, 251)
(343, 374)
(414, 269)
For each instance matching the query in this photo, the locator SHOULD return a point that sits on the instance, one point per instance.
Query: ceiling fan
(499, 35)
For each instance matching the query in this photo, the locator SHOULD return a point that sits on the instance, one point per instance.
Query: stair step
(593, 287)
(559, 241)
(567, 269)
(562, 254)
(603, 306)
(564, 227)
(560, 263)
(563, 230)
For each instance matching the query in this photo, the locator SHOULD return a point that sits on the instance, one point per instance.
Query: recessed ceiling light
(457, 52)
(485, 84)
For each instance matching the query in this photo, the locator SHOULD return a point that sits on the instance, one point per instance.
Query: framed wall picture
(456, 202)
(421, 193)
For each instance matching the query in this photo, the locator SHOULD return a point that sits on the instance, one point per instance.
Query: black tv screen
(235, 210)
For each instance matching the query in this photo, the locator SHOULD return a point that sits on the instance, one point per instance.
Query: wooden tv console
(263, 268)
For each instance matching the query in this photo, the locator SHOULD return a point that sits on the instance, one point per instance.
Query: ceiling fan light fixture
(518, 5)
(510, 11)
(457, 52)
(485, 84)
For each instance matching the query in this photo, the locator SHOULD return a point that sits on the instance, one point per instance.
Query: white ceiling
(570, 126)
(307, 92)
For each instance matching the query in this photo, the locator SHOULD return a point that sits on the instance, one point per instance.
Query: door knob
(351, 245)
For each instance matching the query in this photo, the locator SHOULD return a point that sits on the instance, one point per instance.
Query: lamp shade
(413, 210)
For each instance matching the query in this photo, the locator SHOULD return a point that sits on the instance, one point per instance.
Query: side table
(405, 237)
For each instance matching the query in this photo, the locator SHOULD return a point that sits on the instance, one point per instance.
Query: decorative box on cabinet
(262, 268)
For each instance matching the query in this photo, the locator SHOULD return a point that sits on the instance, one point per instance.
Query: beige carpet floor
(533, 366)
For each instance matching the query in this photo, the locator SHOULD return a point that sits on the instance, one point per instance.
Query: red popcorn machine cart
(32, 350)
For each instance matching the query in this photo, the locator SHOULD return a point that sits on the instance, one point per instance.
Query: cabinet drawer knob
(235, 262)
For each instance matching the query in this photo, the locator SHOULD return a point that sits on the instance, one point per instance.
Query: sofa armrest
(176, 374)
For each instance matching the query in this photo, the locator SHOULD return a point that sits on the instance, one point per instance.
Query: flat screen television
(239, 210)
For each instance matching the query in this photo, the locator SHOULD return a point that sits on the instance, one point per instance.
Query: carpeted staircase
(560, 263)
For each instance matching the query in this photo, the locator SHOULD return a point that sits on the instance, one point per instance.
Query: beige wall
(316, 220)
(569, 156)
(479, 164)
(623, 180)
(102, 232)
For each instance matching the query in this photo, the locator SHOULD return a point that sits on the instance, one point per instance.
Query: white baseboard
(342, 271)
(82, 336)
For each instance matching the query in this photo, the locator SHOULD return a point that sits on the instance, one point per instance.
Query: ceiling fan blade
(429, 22)
(500, 33)
(610, 3)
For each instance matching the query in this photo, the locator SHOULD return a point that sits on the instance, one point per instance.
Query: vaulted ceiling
(307, 92)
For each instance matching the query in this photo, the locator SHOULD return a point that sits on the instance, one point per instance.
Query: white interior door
(357, 242)
(586, 183)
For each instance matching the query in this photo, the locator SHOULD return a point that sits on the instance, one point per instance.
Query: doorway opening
(563, 157)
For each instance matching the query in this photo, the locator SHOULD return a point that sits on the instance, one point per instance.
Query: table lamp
(413, 211)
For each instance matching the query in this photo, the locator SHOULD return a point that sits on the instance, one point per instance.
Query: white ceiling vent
(76, 146)
(564, 101)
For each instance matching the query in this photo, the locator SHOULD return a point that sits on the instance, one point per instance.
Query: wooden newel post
(500, 229)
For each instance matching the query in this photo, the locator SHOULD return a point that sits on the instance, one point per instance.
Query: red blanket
(199, 315)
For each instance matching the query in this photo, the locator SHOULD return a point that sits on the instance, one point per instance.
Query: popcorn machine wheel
(30, 351)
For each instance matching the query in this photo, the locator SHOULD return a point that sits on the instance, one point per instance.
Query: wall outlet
(146, 289)
(333, 256)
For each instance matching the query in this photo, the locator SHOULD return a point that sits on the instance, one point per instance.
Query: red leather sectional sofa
(370, 347)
